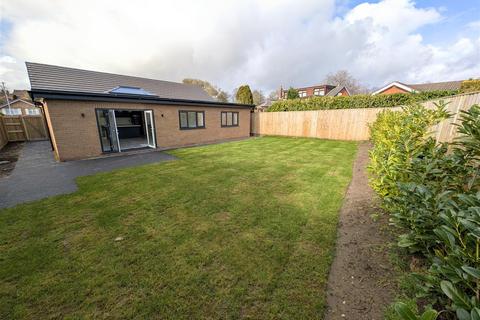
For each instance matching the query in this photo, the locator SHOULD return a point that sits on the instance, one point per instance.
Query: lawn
(236, 230)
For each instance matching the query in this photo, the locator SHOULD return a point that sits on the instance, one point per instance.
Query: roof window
(131, 90)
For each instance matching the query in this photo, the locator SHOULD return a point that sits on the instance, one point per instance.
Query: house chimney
(280, 93)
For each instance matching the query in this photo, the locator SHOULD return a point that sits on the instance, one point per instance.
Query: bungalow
(91, 113)
(318, 90)
(399, 87)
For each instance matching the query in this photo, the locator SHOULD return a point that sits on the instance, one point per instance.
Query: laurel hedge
(432, 192)
(358, 101)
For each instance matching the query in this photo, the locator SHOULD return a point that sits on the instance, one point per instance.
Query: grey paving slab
(37, 175)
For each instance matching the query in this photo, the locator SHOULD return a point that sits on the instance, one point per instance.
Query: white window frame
(302, 93)
(32, 111)
(12, 111)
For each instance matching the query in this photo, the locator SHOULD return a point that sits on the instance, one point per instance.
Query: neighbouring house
(91, 113)
(264, 106)
(20, 107)
(317, 91)
(399, 87)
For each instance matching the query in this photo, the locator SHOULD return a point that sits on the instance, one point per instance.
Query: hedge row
(432, 192)
(358, 101)
(470, 85)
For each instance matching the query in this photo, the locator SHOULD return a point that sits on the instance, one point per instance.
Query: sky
(264, 43)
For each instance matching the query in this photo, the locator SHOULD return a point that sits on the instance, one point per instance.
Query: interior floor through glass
(130, 143)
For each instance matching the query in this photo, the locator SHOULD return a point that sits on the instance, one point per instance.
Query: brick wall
(344, 92)
(393, 89)
(76, 136)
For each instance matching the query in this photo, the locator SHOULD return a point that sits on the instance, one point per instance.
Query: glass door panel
(108, 130)
(149, 128)
(113, 131)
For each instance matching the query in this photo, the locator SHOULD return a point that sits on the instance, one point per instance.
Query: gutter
(109, 97)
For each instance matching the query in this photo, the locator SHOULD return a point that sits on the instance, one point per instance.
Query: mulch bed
(8, 157)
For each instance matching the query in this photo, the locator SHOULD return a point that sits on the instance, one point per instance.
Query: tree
(273, 95)
(244, 95)
(223, 96)
(344, 78)
(258, 97)
(213, 91)
(292, 93)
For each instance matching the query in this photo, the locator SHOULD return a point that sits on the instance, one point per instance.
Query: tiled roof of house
(55, 78)
(335, 91)
(448, 85)
(320, 86)
(267, 103)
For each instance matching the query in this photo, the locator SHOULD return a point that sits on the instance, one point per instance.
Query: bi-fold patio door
(109, 129)
(149, 129)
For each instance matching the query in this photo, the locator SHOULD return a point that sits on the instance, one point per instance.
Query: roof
(15, 101)
(448, 85)
(267, 103)
(326, 86)
(336, 90)
(432, 86)
(44, 77)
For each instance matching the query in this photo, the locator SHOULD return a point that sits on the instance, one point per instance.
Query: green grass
(236, 230)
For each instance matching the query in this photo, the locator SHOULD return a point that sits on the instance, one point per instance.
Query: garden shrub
(435, 202)
(358, 101)
(397, 138)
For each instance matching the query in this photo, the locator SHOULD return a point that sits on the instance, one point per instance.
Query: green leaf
(405, 242)
(475, 314)
(474, 272)
(456, 296)
(463, 314)
(404, 311)
(429, 315)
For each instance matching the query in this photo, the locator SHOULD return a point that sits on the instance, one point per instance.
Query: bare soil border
(8, 157)
(362, 280)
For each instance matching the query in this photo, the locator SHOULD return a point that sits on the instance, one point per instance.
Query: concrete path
(37, 175)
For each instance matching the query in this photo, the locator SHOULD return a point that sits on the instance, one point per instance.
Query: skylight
(131, 90)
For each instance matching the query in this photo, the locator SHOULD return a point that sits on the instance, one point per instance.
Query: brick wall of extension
(75, 135)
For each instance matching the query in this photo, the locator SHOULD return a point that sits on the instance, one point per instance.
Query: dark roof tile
(449, 85)
(56, 78)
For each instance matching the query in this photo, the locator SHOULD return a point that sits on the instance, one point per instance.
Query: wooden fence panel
(349, 124)
(14, 127)
(35, 127)
(3, 135)
(22, 128)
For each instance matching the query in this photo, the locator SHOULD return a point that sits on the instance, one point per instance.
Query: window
(191, 119)
(131, 90)
(32, 111)
(302, 93)
(229, 119)
(318, 92)
(11, 111)
(339, 94)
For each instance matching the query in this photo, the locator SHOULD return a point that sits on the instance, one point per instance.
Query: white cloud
(263, 43)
